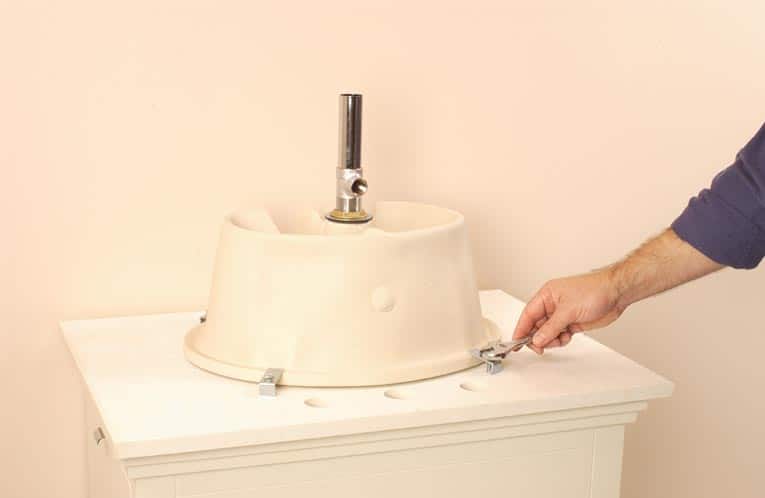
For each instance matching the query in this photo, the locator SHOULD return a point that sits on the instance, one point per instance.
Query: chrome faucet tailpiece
(350, 182)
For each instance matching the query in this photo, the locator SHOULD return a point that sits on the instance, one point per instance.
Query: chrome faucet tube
(349, 145)
(350, 182)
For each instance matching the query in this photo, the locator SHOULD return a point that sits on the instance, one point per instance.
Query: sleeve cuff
(720, 232)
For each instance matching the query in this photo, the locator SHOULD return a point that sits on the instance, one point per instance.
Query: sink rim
(367, 230)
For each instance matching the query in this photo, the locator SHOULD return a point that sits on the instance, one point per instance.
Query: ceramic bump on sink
(383, 299)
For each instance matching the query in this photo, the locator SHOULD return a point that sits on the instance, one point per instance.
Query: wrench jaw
(494, 352)
(492, 356)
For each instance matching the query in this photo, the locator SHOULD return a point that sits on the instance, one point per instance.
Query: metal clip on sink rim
(267, 384)
(493, 354)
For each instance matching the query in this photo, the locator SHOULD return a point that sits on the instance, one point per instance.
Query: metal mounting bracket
(494, 352)
(267, 384)
(98, 436)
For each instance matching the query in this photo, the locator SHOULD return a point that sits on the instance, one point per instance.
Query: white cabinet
(547, 426)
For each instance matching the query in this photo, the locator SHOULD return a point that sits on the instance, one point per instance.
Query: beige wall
(567, 132)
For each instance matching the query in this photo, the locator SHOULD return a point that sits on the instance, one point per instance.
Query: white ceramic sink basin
(333, 304)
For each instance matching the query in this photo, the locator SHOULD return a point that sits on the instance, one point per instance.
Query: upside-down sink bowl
(388, 301)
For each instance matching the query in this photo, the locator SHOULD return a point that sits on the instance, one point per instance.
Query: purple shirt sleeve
(726, 222)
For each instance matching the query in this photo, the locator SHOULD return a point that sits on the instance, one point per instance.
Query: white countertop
(153, 402)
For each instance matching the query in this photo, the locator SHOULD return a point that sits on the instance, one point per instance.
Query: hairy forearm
(661, 263)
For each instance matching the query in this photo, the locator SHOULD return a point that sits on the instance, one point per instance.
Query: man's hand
(593, 300)
(566, 306)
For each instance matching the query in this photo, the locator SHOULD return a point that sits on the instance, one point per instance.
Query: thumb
(552, 328)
